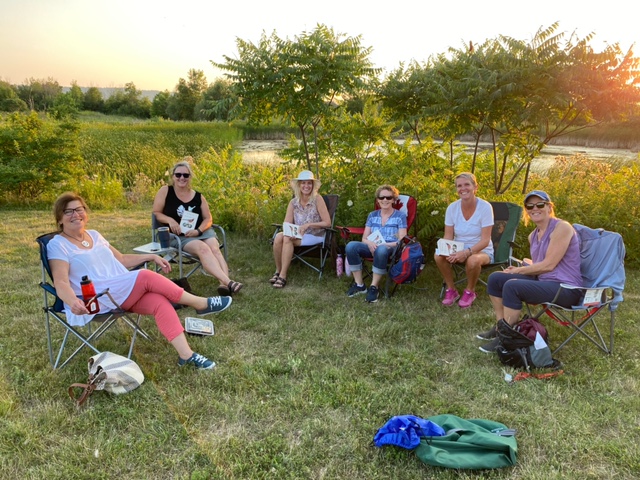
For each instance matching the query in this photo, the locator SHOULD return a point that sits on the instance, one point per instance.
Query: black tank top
(173, 206)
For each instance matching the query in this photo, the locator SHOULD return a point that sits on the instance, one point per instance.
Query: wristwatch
(199, 231)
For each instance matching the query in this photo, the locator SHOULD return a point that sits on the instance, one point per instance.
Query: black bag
(517, 345)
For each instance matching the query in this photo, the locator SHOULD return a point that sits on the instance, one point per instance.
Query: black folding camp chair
(320, 251)
(86, 336)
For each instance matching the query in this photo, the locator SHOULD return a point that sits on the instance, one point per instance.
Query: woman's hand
(372, 246)
(174, 227)
(192, 233)
(164, 265)
(458, 257)
(79, 308)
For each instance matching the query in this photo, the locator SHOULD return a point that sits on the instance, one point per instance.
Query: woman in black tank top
(178, 204)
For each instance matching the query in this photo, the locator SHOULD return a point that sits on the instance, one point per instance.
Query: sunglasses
(383, 197)
(185, 175)
(70, 211)
(540, 205)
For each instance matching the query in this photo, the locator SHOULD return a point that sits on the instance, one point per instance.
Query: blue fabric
(602, 260)
(405, 431)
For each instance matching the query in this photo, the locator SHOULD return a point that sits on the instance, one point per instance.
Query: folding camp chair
(405, 203)
(603, 278)
(87, 335)
(321, 250)
(506, 218)
(178, 255)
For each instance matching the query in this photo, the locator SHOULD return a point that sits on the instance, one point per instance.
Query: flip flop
(234, 287)
(224, 291)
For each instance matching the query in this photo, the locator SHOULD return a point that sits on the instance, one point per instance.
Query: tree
(93, 100)
(36, 155)
(519, 94)
(187, 94)
(303, 81)
(218, 102)
(9, 101)
(128, 102)
(159, 104)
(39, 94)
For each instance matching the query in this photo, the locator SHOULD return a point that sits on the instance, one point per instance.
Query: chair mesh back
(43, 241)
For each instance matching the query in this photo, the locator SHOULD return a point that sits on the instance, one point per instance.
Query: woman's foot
(280, 283)
(234, 287)
(275, 278)
(199, 361)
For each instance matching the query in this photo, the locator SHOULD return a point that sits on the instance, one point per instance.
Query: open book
(449, 247)
(291, 230)
(188, 221)
(376, 237)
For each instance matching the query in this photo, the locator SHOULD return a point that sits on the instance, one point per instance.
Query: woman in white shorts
(309, 212)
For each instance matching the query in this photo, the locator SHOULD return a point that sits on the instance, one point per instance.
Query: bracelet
(470, 252)
(199, 231)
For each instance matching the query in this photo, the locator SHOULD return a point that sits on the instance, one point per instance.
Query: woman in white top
(76, 252)
(468, 220)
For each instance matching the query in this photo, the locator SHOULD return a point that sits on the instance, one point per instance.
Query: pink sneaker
(450, 297)
(467, 299)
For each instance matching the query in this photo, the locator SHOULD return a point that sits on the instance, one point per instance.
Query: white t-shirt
(100, 265)
(470, 231)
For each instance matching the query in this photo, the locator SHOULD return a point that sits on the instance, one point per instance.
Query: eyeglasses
(383, 197)
(185, 175)
(540, 205)
(70, 211)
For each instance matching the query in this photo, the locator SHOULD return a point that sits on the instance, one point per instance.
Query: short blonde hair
(469, 176)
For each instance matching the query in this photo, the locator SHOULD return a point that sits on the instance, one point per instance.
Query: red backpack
(409, 262)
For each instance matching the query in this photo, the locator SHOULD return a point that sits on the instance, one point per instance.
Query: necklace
(83, 242)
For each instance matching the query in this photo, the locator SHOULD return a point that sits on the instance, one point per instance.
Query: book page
(376, 237)
(291, 230)
(188, 221)
(449, 247)
(592, 297)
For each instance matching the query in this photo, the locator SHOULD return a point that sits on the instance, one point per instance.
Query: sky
(154, 43)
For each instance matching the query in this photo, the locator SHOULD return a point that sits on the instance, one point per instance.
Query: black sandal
(275, 278)
(224, 291)
(280, 283)
(234, 287)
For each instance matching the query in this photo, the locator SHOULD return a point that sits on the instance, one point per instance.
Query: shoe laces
(215, 302)
(199, 359)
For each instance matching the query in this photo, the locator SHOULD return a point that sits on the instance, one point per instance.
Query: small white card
(291, 230)
(449, 247)
(376, 237)
(188, 221)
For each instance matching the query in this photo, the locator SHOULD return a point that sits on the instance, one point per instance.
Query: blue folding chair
(86, 336)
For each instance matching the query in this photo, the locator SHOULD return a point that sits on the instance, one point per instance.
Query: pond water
(266, 150)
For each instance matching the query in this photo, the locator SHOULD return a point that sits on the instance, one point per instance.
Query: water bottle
(339, 265)
(88, 294)
(347, 269)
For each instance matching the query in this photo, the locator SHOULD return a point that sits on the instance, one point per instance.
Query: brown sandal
(234, 287)
(280, 283)
(275, 278)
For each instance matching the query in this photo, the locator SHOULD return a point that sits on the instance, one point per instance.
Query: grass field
(305, 377)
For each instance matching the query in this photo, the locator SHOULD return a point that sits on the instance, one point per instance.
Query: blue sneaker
(199, 361)
(356, 290)
(372, 294)
(215, 305)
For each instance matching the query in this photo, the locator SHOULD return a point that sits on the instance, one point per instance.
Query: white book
(188, 221)
(592, 297)
(291, 230)
(376, 237)
(449, 247)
